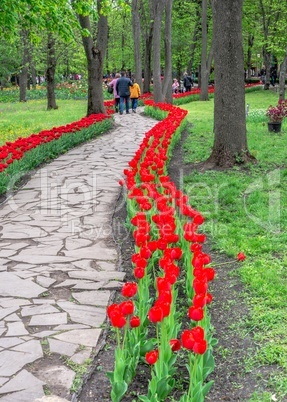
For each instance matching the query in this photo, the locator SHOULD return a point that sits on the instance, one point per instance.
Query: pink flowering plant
(277, 113)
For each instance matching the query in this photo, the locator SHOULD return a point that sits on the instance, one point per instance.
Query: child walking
(135, 93)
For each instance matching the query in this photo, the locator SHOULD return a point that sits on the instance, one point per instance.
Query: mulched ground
(232, 382)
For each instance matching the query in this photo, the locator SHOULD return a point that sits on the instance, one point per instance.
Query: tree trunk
(157, 84)
(147, 25)
(230, 141)
(95, 54)
(23, 76)
(204, 67)
(267, 63)
(50, 73)
(167, 83)
(137, 41)
(249, 55)
(194, 40)
(282, 77)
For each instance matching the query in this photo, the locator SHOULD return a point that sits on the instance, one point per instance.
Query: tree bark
(205, 63)
(136, 24)
(157, 84)
(95, 54)
(50, 73)
(282, 77)
(194, 40)
(167, 83)
(230, 140)
(249, 55)
(23, 76)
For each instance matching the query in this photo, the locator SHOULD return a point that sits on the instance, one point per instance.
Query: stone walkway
(58, 265)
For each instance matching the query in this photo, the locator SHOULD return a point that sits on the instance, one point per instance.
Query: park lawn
(23, 119)
(246, 210)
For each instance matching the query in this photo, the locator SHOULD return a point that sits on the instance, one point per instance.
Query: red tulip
(135, 321)
(129, 289)
(175, 345)
(151, 357)
(241, 256)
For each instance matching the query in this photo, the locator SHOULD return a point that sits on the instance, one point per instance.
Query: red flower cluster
(193, 339)
(118, 313)
(12, 151)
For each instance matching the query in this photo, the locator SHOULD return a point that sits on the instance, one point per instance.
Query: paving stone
(94, 298)
(44, 308)
(44, 281)
(7, 253)
(18, 231)
(75, 243)
(28, 395)
(60, 375)
(97, 252)
(66, 327)
(106, 266)
(48, 319)
(11, 285)
(113, 285)
(62, 348)
(97, 275)
(12, 318)
(84, 314)
(22, 267)
(10, 342)
(86, 337)
(3, 380)
(44, 334)
(16, 329)
(41, 259)
(11, 361)
(86, 285)
(81, 356)
(51, 398)
(9, 302)
(23, 380)
(44, 300)
(7, 311)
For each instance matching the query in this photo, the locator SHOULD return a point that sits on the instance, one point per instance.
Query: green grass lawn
(246, 210)
(22, 119)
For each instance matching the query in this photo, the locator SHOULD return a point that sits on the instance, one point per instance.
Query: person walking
(135, 93)
(187, 82)
(113, 84)
(123, 90)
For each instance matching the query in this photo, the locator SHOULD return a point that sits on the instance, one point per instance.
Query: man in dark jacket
(123, 89)
(187, 82)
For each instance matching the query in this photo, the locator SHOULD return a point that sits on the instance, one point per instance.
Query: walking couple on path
(125, 90)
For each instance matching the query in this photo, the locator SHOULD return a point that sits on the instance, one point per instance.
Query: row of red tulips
(168, 246)
(12, 151)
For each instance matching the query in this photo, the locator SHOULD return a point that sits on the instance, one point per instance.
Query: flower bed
(168, 243)
(24, 154)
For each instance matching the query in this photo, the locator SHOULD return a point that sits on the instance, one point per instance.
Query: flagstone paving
(59, 263)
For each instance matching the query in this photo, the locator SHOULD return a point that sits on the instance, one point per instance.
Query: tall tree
(50, 72)
(147, 17)
(162, 88)
(230, 140)
(282, 77)
(205, 59)
(23, 76)
(95, 53)
(137, 41)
